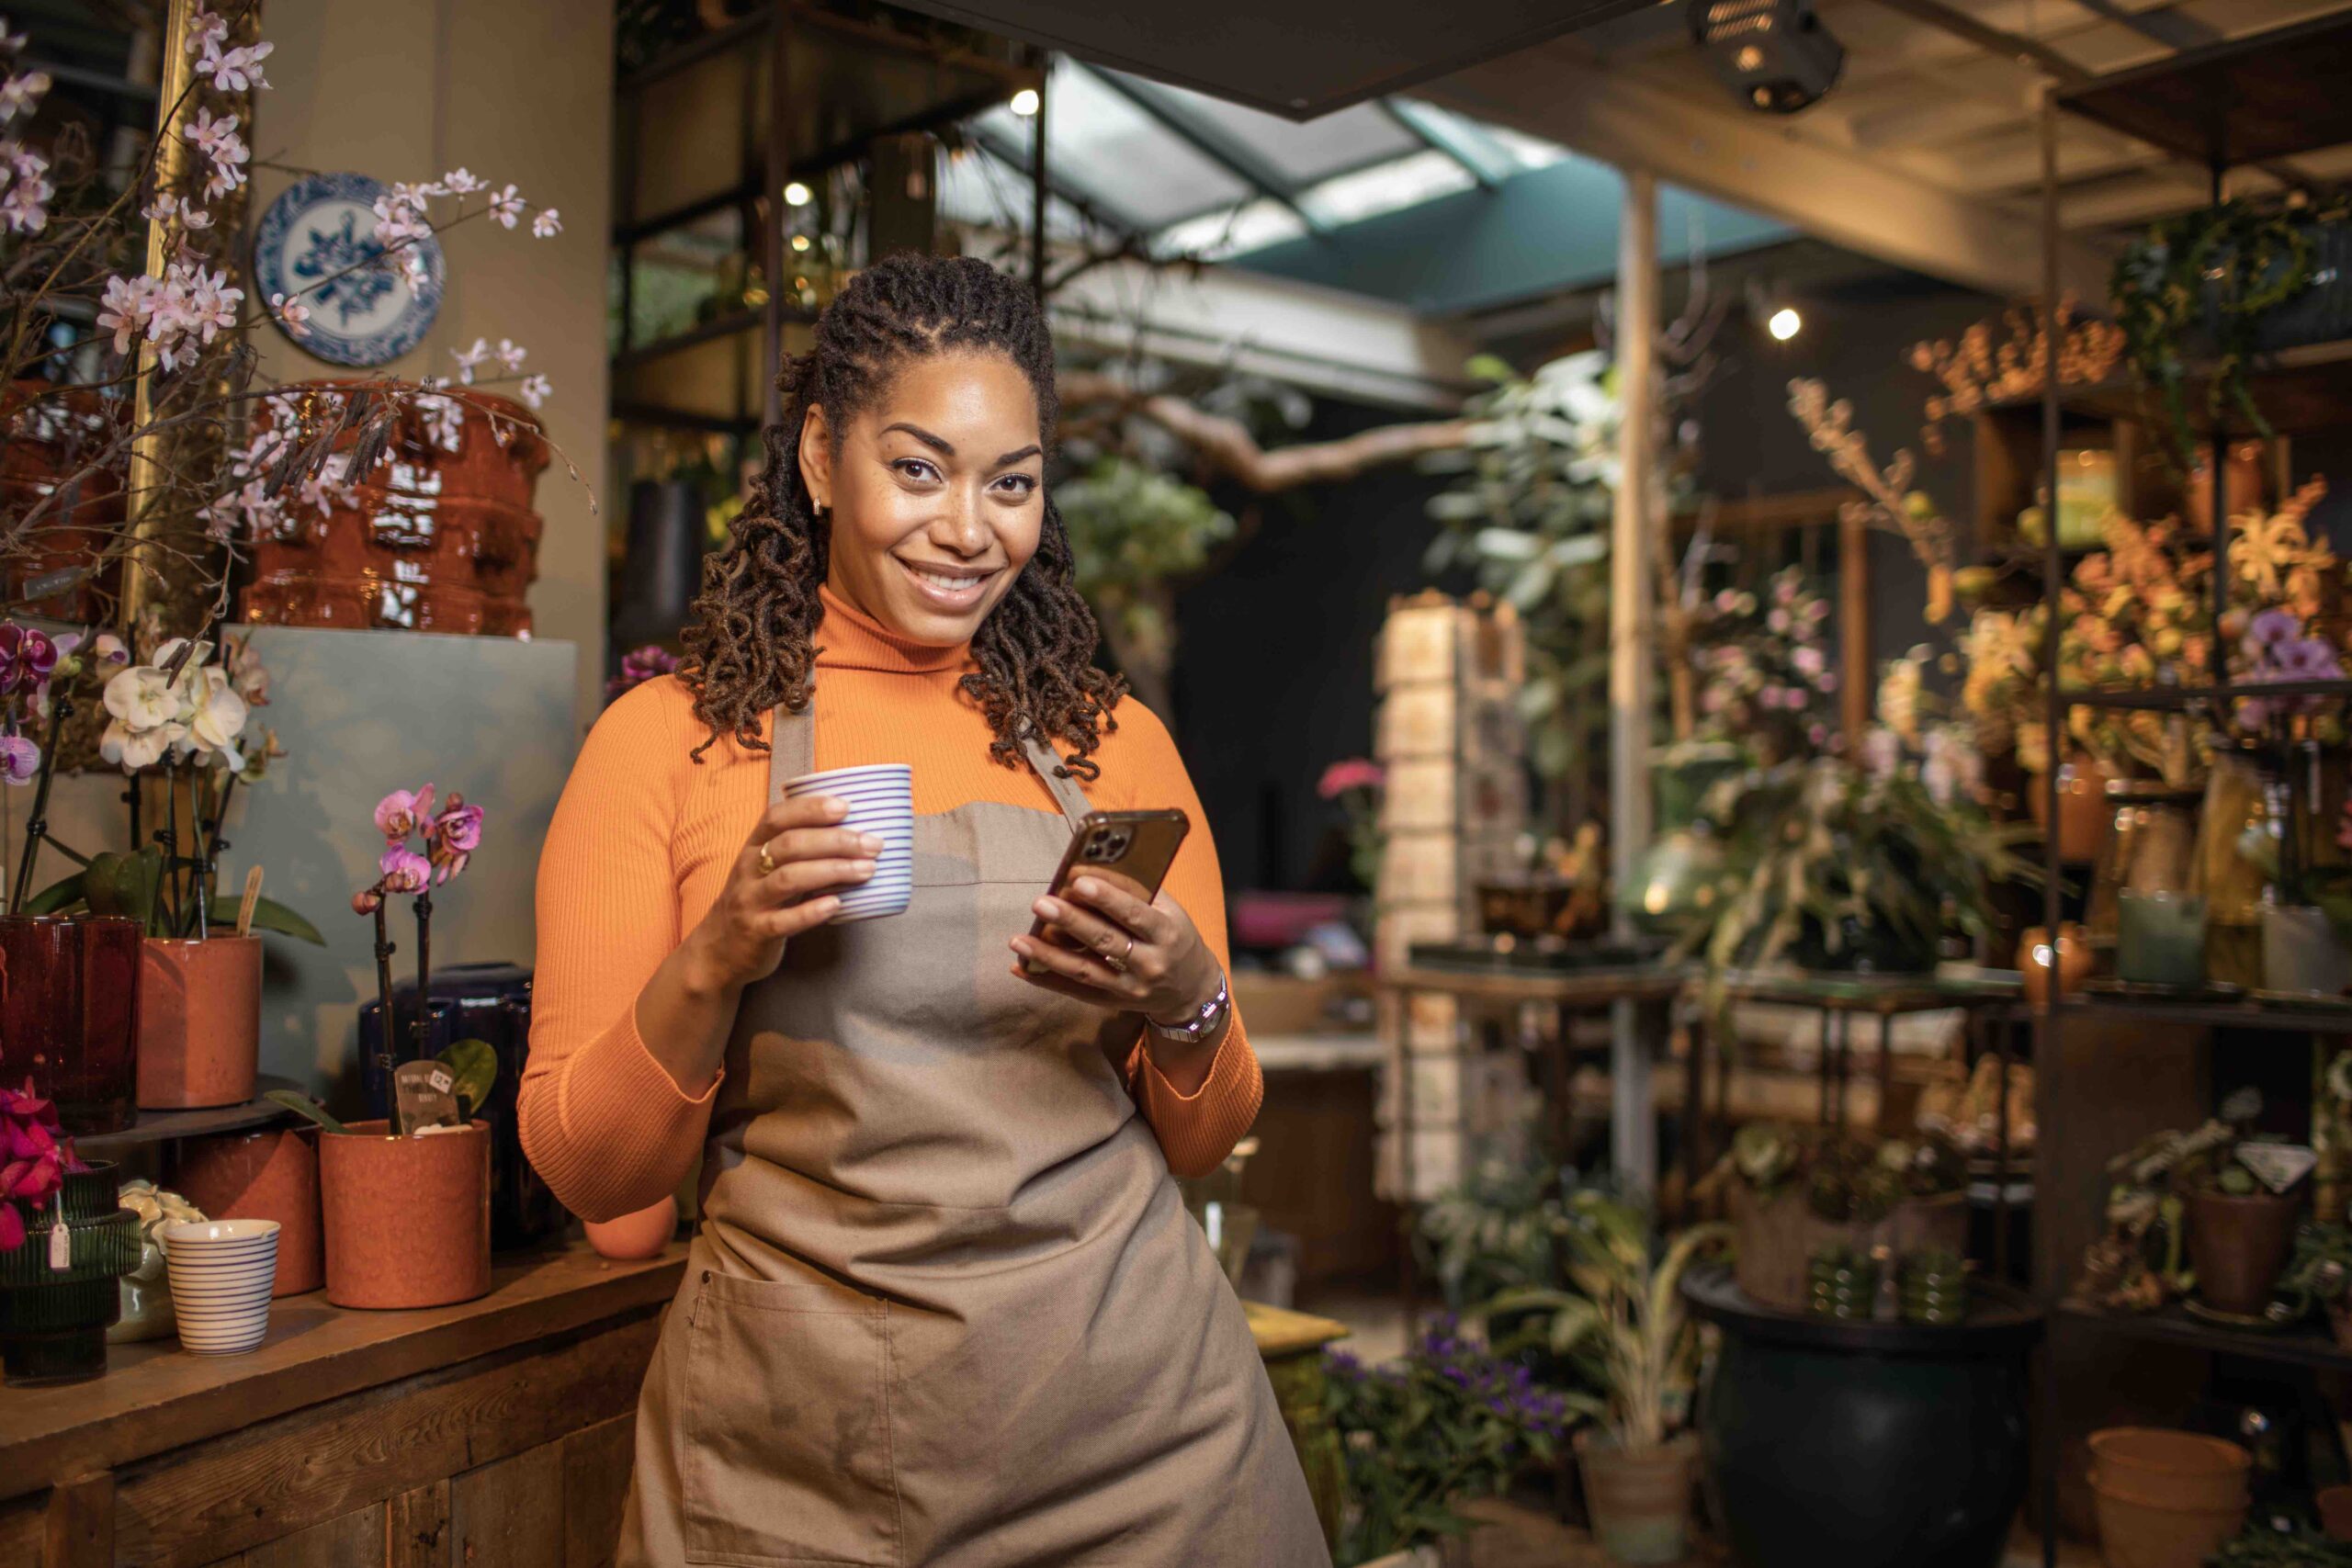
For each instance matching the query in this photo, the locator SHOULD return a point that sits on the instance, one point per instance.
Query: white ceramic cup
(881, 801)
(222, 1272)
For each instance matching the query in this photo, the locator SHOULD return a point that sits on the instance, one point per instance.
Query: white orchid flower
(141, 699)
(133, 750)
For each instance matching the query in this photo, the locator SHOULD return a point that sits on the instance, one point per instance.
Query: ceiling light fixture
(1784, 323)
(796, 194)
(1024, 102)
(1774, 54)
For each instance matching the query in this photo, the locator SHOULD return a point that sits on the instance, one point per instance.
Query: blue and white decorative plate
(325, 227)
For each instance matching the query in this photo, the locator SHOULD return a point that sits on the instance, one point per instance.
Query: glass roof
(1128, 159)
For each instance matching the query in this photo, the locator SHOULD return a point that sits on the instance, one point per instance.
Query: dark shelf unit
(2276, 95)
(164, 1126)
(2302, 1344)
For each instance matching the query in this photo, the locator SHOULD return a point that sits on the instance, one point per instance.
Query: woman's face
(937, 494)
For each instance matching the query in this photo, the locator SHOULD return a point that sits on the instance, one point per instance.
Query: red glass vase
(69, 1015)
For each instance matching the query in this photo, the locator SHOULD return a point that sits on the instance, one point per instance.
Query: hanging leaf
(125, 884)
(56, 899)
(270, 915)
(476, 1064)
(303, 1105)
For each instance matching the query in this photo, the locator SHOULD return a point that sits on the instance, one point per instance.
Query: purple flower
(19, 759)
(452, 838)
(27, 657)
(638, 666)
(2272, 626)
(2307, 659)
(404, 870)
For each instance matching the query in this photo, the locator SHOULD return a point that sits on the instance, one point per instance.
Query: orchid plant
(444, 841)
(1358, 784)
(160, 339)
(1763, 667)
(34, 1160)
(638, 666)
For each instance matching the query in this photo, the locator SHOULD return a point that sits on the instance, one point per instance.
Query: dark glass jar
(69, 1015)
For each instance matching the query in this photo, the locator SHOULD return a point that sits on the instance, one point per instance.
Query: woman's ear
(816, 454)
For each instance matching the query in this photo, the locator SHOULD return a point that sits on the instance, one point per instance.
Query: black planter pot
(1867, 1445)
(1862, 950)
(53, 1322)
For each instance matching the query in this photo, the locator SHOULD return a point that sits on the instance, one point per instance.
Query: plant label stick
(425, 1095)
(252, 897)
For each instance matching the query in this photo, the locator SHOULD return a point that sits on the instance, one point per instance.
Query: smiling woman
(946, 1306)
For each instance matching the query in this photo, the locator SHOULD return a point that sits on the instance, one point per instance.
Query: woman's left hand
(1126, 954)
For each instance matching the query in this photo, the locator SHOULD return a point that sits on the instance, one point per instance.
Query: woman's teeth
(945, 583)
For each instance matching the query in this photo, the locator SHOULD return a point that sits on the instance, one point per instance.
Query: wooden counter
(497, 1431)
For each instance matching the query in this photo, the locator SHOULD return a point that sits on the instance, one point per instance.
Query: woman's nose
(958, 527)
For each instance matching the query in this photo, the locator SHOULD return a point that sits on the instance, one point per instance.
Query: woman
(945, 1307)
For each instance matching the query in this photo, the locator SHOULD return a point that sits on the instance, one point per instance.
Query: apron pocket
(787, 1425)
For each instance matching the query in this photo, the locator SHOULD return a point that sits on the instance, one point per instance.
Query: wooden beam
(1633, 675)
(1556, 90)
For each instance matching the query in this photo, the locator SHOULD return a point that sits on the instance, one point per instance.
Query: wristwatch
(1200, 1024)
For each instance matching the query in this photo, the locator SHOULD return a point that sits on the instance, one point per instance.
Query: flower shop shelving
(2259, 100)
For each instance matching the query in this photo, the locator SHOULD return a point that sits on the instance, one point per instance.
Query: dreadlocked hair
(750, 647)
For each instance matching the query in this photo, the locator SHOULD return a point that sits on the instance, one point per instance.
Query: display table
(494, 1431)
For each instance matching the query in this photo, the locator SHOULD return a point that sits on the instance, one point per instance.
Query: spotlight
(796, 194)
(1024, 102)
(801, 241)
(1784, 323)
(1775, 54)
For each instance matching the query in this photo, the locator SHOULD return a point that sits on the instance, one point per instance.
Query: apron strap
(792, 748)
(1065, 791)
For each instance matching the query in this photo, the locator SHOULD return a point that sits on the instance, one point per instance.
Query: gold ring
(767, 862)
(1119, 965)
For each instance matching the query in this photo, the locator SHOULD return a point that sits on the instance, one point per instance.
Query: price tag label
(425, 1093)
(2277, 1166)
(61, 1238)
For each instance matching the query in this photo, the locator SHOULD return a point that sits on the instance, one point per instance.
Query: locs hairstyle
(750, 647)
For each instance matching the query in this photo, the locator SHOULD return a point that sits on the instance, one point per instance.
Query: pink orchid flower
(405, 871)
(401, 813)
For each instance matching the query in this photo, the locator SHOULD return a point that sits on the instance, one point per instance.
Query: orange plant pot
(199, 1021)
(271, 1175)
(407, 1219)
(2074, 960)
(2082, 813)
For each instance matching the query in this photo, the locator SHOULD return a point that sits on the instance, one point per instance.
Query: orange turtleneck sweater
(601, 1120)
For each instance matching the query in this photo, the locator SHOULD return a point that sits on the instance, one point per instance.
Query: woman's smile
(954, 589)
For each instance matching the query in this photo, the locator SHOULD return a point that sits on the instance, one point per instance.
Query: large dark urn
(1868, 1445)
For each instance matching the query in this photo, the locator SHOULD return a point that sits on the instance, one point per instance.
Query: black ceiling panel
(1294, 58)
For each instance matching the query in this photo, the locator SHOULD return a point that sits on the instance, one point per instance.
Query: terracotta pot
(2082, 810)
(69, 1015)
(434, 540)
(2074, 960)
(269, 1175)
(2238, 1246)
(1640, 1502)
(2335, 1504)
(48, 433)
(1775, 1241)
(407, 1219)
(199, 1021)
(2152, 1464)
(638, 1234)
(2149, 1535)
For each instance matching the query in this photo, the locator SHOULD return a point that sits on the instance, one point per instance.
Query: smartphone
(1138, 845)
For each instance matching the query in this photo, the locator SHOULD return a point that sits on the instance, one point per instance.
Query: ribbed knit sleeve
(601, 1120)
(1142, 770)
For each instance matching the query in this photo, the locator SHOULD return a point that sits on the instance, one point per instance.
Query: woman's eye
(1021, 486)
(916, 468)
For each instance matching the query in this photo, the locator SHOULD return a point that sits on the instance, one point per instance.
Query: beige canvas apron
(946, 1308)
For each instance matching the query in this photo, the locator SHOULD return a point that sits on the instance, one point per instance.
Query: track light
(1784, 323)
(1024, 102)
(1774, 54)
(796, 194)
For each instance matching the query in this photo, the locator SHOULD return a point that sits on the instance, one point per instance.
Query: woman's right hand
(741, 939)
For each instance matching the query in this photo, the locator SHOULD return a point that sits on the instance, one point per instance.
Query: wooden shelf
(2302, 1344)
(2297, 389)
(155, 1396)
(2169, 698)
(162, 1126)
(2276, 95)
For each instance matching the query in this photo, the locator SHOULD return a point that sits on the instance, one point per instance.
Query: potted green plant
(2319, 1276)
(1794, 1193)
(1623, 1322)
(2241, 1228)
(64, 1244)
(1447, 1421)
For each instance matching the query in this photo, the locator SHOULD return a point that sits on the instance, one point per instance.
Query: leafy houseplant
(1795, 1192)
(2319, 1275)
(1357, 786)
(2202, 287)
(1448, 1420)
(1621, 1321)
(1134, 533)
(2239, 1232)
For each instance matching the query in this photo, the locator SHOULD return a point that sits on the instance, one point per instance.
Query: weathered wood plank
(78, 1531)
(348, 1540)
(416, 1528)
(596, 1464)
(295, 1471)
(157, 1397)
(510, 1513)
(24, 1526)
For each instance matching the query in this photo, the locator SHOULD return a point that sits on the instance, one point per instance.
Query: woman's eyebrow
(925, 436)
(1032, 450)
